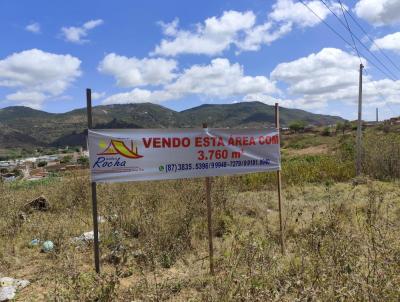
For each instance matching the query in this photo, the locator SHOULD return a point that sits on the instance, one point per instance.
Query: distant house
(8, 177)
(47, 158)
(6, 164)
(394, 121)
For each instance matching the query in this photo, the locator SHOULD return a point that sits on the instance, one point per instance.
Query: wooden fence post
(209, 220)
(279, 181)
(94, 190)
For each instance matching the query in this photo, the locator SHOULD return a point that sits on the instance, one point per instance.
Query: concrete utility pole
(377, 116)
(359, 124)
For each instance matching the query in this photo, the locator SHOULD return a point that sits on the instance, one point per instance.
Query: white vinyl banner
(118, 155)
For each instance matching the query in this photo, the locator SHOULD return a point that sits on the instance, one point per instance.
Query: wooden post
(278, 175)
(359, 123)
(209, 221)
(94, 191)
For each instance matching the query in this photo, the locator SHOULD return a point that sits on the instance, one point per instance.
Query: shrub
(83, 160)
(42, 164)
(381, 155)
(297, 126)
(66, 159)
(326, 131)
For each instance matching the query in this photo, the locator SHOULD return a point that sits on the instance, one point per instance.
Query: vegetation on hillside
(29, 127)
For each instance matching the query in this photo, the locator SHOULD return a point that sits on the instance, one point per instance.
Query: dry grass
(343, 242)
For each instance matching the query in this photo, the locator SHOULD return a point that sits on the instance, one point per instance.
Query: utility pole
(377, 116)
(359, 124)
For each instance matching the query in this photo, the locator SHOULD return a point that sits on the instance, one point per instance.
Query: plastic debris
(85, 237)
(9, 287)
(101, 219)
(48, 246)
(34, 242)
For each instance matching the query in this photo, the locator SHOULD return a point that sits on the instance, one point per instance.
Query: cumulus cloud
(297, 14)
(240, 29)
(332, 75)
(37, 75)
(76, 34)
(210, 38)
(98, 95)
(328, 70)
(298, 103)
(284, 17)
(138, 95)
(389, 42)
(131, 72)
(33, 27)
(262, 34)
(219, 79)
(32, 99)
(379, 12)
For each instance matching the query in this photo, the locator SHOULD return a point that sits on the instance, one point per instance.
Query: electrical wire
(362, 44)
(351, 33)
(340, 36)
(372, 41)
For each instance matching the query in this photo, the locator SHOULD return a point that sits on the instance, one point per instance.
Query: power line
(340, 36)
(372, 41)
(362, 44)
(351, 33)
(353, 47)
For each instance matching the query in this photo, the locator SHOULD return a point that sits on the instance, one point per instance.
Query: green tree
(66, 159)
(297, 126)
(340, 127)
(346, 126)
(326, 131)
(83, 160)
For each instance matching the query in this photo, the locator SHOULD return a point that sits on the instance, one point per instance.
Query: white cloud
(138, 95)
(32, 99)
(332, 75)
(220, 79)
(38, 75)
(284, 17)
(210, 38)
(390, 42)
(218, 34)
(131, 72)
(76, 34)
(263, 34)
(296, 13)
(298, 103)
(328, 70)
(98, 95)
(33, 27)
(379, 12)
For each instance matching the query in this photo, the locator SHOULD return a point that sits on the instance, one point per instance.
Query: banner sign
(118, 155)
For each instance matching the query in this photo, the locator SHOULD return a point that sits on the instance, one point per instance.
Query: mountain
(250, 114)
(24, 127)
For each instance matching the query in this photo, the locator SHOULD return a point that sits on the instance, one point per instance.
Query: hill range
(22, 127)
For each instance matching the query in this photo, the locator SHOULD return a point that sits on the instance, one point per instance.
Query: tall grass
(304, 169)
(381, 155)
(342, 240)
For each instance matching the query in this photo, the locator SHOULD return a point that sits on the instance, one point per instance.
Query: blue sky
(182, 54)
